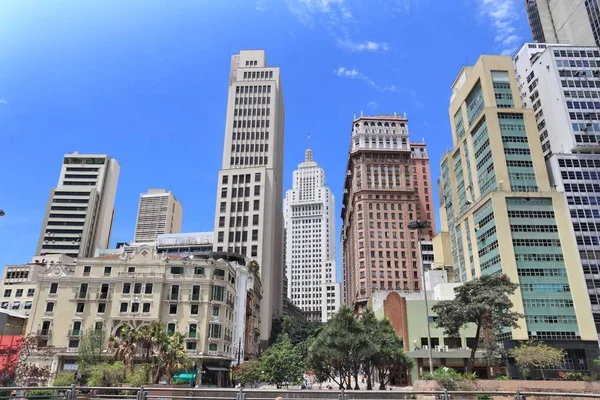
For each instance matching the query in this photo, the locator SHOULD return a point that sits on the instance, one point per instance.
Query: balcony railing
(192, 335)
(44, 332)
(195, 297)
(81, 295)
(141, 275)
(75, 333)
(173, 296)
(103, 296)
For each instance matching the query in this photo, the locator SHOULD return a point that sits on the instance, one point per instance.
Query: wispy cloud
(364, 46)
(353, 73)
(335, 16)
(504, 15)
(262, 5)
(2, 101)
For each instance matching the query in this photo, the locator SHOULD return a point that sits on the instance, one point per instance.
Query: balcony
(173, 297)
(81, 296)
(195, 297)
(74, 333)
(141, 275)
(44, 333)
(103, 296)
(191, 335)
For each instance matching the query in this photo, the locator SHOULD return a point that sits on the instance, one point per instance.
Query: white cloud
(335, 16)
(504, 15)
(353, 73)
(365, 46)
(2, 101)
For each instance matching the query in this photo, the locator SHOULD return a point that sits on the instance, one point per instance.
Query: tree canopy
(537, 355)
(484, 302)
(282, 363)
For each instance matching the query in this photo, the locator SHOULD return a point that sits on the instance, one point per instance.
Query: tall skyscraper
(159, 212)
(309, 213)
(564, 21)
(387, 186)
(80, 210)
(249, 218)
(503, 215)
(562, 84)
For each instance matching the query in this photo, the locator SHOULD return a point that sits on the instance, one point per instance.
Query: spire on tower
(308, 156)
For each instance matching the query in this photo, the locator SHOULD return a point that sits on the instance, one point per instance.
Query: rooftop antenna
(309, 140)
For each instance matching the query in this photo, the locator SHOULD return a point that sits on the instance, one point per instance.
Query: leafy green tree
(64, 379)
(125, 345)
(368, 356)
(107, 375)
(388, 355)
(537, 355)
(173, 356)
(484, 302)
(90, 349)
(282, 363)
(247, 372)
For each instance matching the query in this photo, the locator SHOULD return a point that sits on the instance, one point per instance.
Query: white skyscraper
(159, 212)
(248, 217)
(80, 210)
(309, 215)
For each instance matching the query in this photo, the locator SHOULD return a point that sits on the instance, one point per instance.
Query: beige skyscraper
(80, 210)
(249, 217)
(159, 212)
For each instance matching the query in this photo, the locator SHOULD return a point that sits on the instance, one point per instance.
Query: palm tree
(150, 338)
(125, 344)
(173, 356)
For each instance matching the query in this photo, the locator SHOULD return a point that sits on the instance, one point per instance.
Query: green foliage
(139, 376)
(39, 394)
(247, 372)
(537, 355)
(485, 302)
(448, 378)
(597, 361)
(173, 356)
(179, 381)
(107, 375)
(501, 378)
(90, 349)
(579, 376)
(276, 330)
(484, 396)
(64, 379)
(282, 363)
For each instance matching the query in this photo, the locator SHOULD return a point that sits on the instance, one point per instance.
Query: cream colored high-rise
(248, 217)
(503, 216)
(80, 210)
(159, 212)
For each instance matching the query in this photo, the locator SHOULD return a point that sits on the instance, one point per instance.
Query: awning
(211, 368)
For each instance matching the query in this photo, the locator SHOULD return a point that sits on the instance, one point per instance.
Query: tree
(388, 355)
(369, 326)
(90, 349)
(484, 302)
(23, 372)
(107, 375)
(282, 363)
(537, 355)
(173, 356)
(125, 345)
(247, 372)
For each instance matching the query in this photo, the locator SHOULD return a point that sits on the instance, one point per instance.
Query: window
(148, 289)
(172, 309)
(194, 309)
(80, 308)
(257, 190)
(131, 270)
(126, 288)
(256, 205)
(19, 293)
(137, 288)
(199, 271)
(7, 292)
(215, 311)
(101, 308)
(223, 207)
(224, 193)
(53, 288)
(146, 308)
(170, 329)
(30, 292)
(212, 347)
(217, 293)
(192, 330)
(107, 271)
(255, 220)
(177, 270)
(225, 179)
(50, 307)
(255, 234)
(254, 252)
(215, 331)
(124, 307)
(257, 177)
(86, 270)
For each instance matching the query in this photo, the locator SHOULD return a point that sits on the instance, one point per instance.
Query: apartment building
(19, 282)
(564, 21)
(159, 212)
(249, 218)
(191, 294)
(387, 186)
(562, 85)
(309, 215)
(80, 210)
(503, 215)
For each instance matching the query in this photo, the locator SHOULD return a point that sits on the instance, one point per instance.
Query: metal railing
(202, 393)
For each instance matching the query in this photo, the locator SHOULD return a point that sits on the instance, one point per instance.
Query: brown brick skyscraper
(387, 186)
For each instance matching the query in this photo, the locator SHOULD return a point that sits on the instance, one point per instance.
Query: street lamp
(419, 226)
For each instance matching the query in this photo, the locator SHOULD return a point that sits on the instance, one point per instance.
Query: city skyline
(349, 72)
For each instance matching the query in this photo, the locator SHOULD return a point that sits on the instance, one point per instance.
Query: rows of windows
(551, 319)
(258, 75)
(586, 226)
(519, 163)
(534, 228)
(490, 263)
(514, 139)
(545, 287)
(587, 213)
(577, 54)
(536, 242)
(541, 303)
(554, 335)
(530, 214)
(588, 240)
(582, 187)
(539, 257)
(583, 200)
(18, 292)
(571, 83)
(542, 272)
(580, 175)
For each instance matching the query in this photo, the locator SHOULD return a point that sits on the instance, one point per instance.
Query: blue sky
(146, 82)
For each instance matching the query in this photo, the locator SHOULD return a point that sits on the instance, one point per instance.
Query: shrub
(484, 396)
(501, 378)
(579, 376)
(107, 375)
(448, 378)
(39, 394)
(139, 376)
(64, 379)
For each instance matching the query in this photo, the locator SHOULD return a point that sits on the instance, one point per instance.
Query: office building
(80, 210)
(309, 214)
(249, 218)
(564, 21)
(159, 212)
(134, 286)
(562, 85)
(387, 186)
(503, 215)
